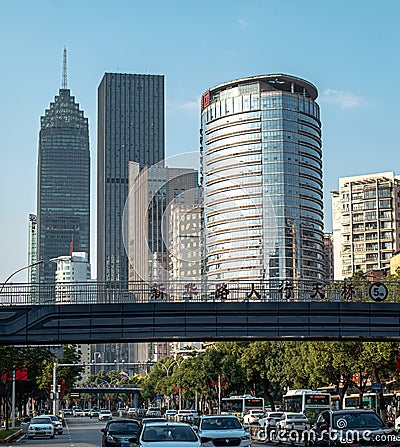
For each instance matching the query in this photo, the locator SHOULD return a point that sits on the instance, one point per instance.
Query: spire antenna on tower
(64, 78)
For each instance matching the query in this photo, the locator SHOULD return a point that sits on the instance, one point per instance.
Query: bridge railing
(277, 290)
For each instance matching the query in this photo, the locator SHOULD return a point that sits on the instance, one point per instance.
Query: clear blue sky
(348, 49)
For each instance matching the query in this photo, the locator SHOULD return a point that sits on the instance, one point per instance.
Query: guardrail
(199, 291)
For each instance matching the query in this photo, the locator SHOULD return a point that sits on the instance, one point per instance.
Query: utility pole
(13, 400)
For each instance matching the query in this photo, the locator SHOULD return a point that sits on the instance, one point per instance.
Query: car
(293, 421)
(25, 424)
(58, 427)
(141, 412)
(121, 412)
(117, 433)
(184, 416)
(105, 415)
(152, 420)
(350, 427)
(224, 429)
(195, 415)
(67, 411)
(167, 434)
(94, 412)
(131, 413)
(41, 426)
(77, 412)
(153, 412)
(170, 415)
(252, 417)
(86, 412)
(270, 419)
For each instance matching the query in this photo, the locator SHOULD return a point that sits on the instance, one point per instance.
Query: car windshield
(123, 427)
(46, 420)
(275, 415)
(168, 433)
(220, 424)
(357, 420)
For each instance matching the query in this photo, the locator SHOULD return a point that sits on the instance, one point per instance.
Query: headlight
(110, 438)
(205, 439)
(246, 437)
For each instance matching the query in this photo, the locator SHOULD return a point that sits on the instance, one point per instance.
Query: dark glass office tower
(63, 182)
(130, 128)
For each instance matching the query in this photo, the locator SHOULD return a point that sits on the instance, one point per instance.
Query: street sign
(378, 291)
(376, 387)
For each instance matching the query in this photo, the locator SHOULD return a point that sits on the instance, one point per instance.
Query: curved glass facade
(261, 157)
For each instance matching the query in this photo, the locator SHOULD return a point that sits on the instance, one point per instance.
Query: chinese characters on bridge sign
(284, 291)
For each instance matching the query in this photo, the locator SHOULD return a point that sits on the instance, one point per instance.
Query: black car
(117, 433)
(339, 428)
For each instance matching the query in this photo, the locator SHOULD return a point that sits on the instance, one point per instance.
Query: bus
(308, 402)
(369, 400)
(239, 405)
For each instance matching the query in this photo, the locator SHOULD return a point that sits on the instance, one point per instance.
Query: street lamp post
(17, 271)
(167, 369)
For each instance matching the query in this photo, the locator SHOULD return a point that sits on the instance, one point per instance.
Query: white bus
(369, 400)
(308, 402)
(239, 405)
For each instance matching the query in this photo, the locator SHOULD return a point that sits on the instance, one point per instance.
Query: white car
(170, 415)
(153, 413)
(270, 419)
(58, 427)
(252, 417)
(41, 426)
(167, 434)
(78, 412)
(215, 430)
(184, 416)
(293, 421)
(105, 415)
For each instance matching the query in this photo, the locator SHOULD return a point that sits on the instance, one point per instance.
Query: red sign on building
(205, 100)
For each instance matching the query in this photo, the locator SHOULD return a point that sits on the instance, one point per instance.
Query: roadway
(79, 432)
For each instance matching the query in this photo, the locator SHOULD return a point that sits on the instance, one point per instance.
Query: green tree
(263, 363)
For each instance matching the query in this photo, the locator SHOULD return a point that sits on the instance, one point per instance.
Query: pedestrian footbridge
(194, 312)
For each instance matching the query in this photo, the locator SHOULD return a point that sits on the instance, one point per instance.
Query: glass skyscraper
(130, 128)
(63, 213)
(261, 156)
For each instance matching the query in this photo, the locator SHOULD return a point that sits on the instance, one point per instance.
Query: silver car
(167, 434)
(222, 430)
(41, 426)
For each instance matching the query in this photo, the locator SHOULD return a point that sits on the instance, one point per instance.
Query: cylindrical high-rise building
(262, 179)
